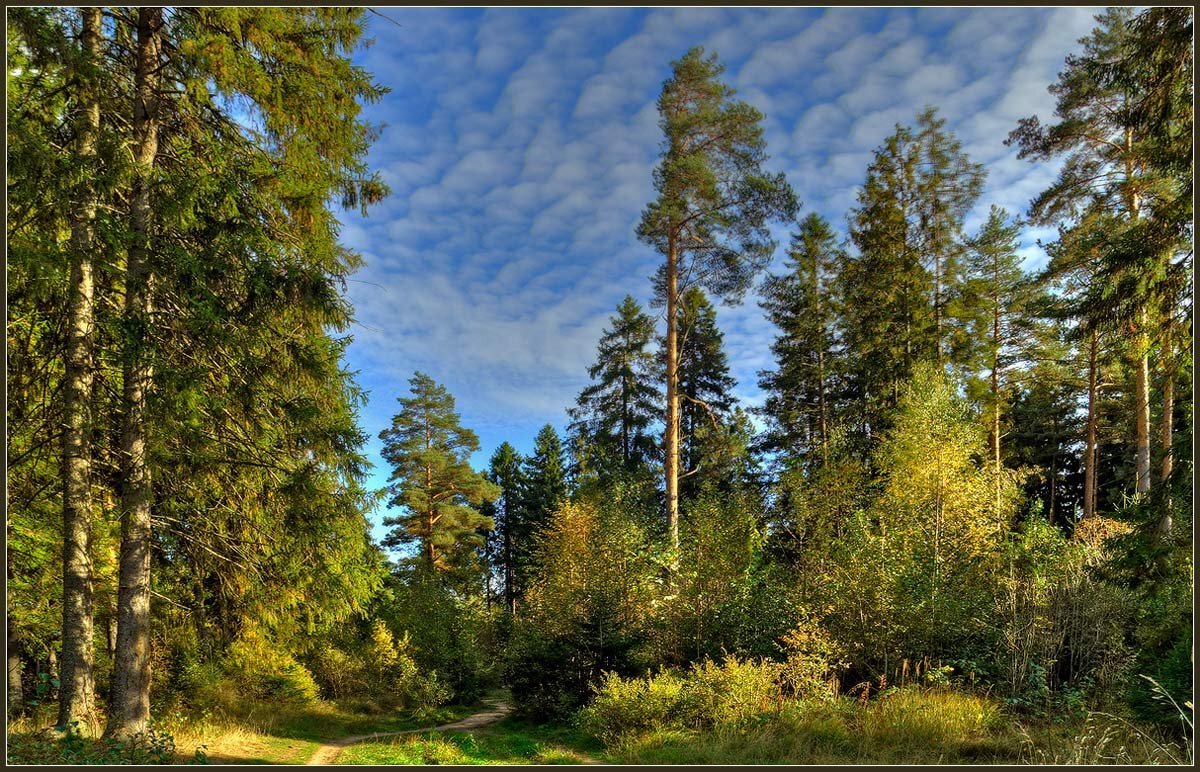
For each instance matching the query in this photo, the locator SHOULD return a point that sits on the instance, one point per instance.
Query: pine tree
(432, 479)
(1113, 159)
(77, 683)
(613, 416)
(710, 218)
(801, 304)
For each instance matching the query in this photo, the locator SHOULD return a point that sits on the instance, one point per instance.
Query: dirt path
(328, 752)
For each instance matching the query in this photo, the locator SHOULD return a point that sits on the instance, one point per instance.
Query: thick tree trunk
(671, 432)
(129, 708)
(77, 685)
(16, 692)
(1089, 447)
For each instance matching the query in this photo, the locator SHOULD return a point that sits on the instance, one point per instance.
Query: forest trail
(328, 752)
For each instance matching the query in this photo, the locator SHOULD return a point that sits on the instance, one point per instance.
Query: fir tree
(504, 470)
(544, 490)
(800, 303)
(613, 417)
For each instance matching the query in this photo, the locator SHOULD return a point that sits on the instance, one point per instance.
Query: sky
(519, 146)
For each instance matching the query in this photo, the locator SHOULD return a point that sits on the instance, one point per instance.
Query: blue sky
(519, 145)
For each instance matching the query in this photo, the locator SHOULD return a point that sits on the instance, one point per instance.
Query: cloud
(520, 143)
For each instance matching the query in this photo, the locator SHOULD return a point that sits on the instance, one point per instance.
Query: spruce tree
(544, 490)
(432, 480)
(705, 391)
(710, 218)
(801, 304)
(998, 291)
(897, 290)
(504, 470)
(613, 417)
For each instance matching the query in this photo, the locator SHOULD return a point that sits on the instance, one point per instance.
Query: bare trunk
(1141, 352)
(77, 685)
(1089, 448)
(1168, 407)
(1142, 405)
(995, 382)
(16, 694)
(510, 590)
(129, 708)
(671, 434)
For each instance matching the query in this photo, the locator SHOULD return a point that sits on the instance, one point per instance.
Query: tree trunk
(77, 685)
(16, 693)
(821, 405)
(1168, 407)
(1089, 447)
(671, 433)
(995, 383)
(1142, 404)
(510, 590)
(129, 708)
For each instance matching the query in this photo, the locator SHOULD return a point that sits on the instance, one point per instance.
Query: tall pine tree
(709, 221)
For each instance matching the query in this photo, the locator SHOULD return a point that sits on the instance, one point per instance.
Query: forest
(957, 530)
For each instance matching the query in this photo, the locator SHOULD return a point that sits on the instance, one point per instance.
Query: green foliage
(451, 637)
(146, 748)
(612, 419)
(708, 695)
(432, 479)
(802, 303)
(589, 612)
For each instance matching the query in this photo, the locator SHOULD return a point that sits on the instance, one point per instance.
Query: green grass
(910, 726)
(245, 732)
(508, 742)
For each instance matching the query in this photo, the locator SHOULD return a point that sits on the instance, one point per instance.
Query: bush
(152, 747)
(632, 705)
(588, 612)
(266, 672)
(813, 662)
(709, 695)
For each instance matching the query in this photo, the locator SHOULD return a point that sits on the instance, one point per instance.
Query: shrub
(813, 662)
(269, 673)
(632, 705)
(588, 612)
(732, 692)
(709, 695)
(152, 747)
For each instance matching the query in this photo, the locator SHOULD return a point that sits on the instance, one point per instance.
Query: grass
(244, 732)
(906, 726)
(909, 726)
(512, 741)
